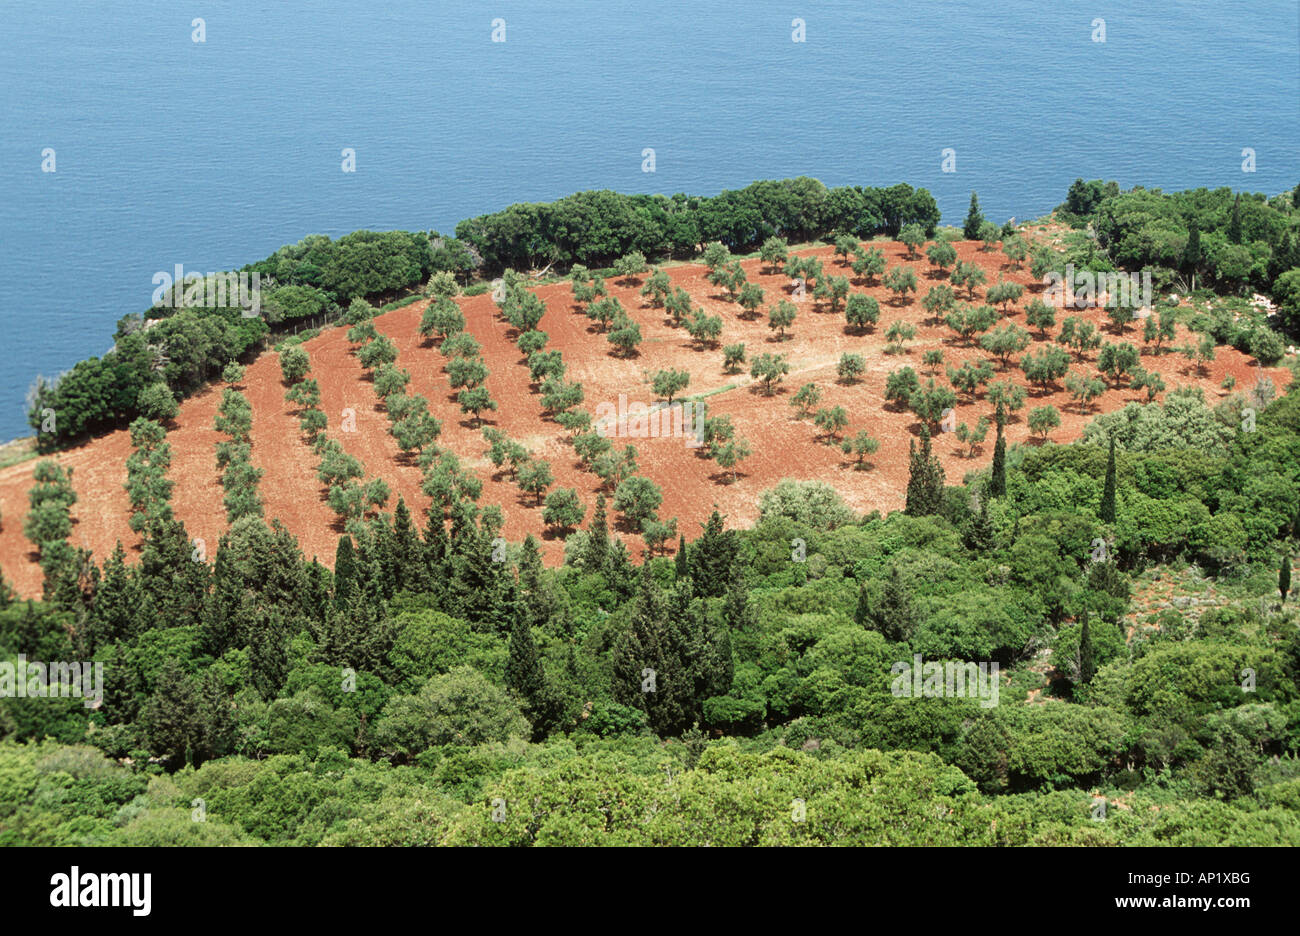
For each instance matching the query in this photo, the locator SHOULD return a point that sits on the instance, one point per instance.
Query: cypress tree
(535, 600)
(924, 480)
(32, 630)
(893, 616)
(705, 653)
(1234, 224)
(357, 635)
(647, 675)
(266, 632)
(70, 581)
(1290, 251)
(1087, 656)
(593, 559)
(318, 592)
(1278, 263)
(437, 550)
(682, 563)
(735, 610)
(175, 585)
(346, 574)
(1284, 576)
(713, 556)
(1192, 252)
(862, 613)
(169, 717)
(507, 604)
(7, 592)
(937, 477)
(1107, 512)
(408, 552)
(524, 673)
(915, 480)
(475, 588)
(378, 570)
(113, 617)
(383, 555)
(530, 564)
(998, 478)
(260, 598)
(620, 574)
(970, 230)
(978, 535)
(214, 728)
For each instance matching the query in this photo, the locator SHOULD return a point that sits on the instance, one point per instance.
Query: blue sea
(213, 154)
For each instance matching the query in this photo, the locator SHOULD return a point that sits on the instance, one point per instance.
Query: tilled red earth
(783, 445)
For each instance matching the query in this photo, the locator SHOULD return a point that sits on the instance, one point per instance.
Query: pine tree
(1107, 512)
(925, 479)
(682, 563)
(970, 230)
(1087, 656)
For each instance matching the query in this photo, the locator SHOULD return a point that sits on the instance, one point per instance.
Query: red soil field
(783, 445)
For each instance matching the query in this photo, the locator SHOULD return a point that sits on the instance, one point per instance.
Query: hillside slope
(784, 446)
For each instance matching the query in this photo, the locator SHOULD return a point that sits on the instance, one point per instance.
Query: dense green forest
(406, 697)
(438, 689)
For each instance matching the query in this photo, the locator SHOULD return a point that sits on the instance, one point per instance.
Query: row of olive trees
(523, 309)
(148, 488)
(239, 479)
(348, 495)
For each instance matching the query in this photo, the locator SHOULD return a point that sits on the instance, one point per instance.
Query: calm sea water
(214, 154)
